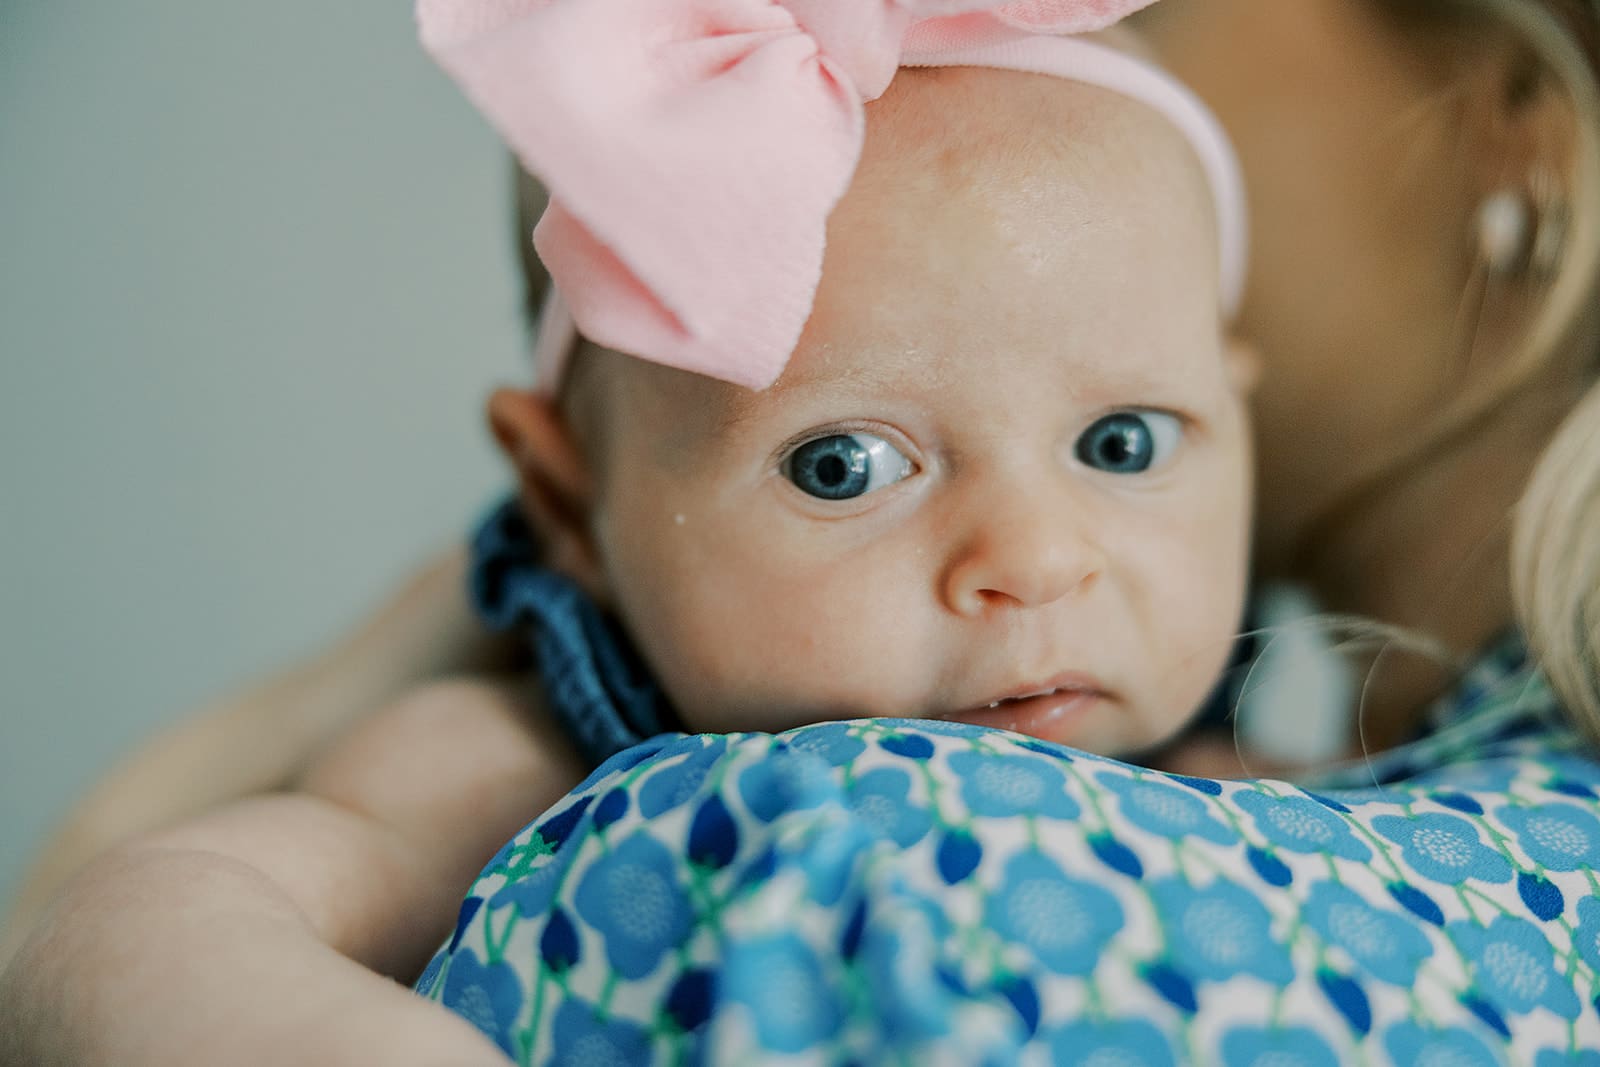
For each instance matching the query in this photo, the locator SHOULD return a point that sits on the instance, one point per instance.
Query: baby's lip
(1070, 683)
(1053, 710)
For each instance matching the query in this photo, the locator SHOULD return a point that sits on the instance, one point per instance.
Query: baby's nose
(1026, 549)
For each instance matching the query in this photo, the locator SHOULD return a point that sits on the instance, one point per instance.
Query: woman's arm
(261, 738)
(261, 932)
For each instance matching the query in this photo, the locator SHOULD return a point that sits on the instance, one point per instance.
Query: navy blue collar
(594, 680)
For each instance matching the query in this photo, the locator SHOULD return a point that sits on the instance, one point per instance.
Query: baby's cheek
(1200, 600)
(708, 646)
(779, 654)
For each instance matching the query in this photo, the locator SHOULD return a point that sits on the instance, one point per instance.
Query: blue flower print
(1541, 896)
(1065, 923)
(487, 997)
(1514, 966)
(881, 799)
(430, 975)
(939, 727)
(632, 897)
(1586, 938)
(1023, 996)
(829, 856)
(900, 961)
(1487, 1013)
(1173, 985)
(688, 1003)
(674, 782)
(1567, 787)
(1411, 1043)
(1272, 870)
(533, 891)
(958, 856)
(713, 836)
(1165, 810)
(1558, 837)
(1000, 786)
(908, 744)
(1572, 770)
(582, 1038)
(469, 911)
(1475, 776)
(1443, 848)
(1209, 786)
(1462, 802)
(1348, 999)
(1417, 902)
(554, 831)
(1220, 931)
(1278, 1046)
(780, 981)
(1122, 1042)
(1300, 824)
(630, 758)
(1387, 946)
(612, 806)
(834, 743)
(785, 780)
(1577, 1057)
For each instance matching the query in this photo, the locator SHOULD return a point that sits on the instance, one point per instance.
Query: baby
(1000, 478)
(935, 420)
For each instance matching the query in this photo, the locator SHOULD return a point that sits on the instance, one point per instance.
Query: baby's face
(1004, 477)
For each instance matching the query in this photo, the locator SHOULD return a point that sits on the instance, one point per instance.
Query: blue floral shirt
(888, 891)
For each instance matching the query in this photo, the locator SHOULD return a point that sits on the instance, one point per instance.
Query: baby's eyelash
(1186, 418)
(817, 433)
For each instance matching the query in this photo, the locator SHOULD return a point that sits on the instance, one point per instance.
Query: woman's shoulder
(923, 889)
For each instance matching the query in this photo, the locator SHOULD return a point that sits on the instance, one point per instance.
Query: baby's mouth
(1049, 712)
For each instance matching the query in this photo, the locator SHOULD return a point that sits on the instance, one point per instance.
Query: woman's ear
(1520, 140)
(1524, 116)
(553, 480)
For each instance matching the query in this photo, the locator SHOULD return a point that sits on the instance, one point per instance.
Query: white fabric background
(256, 275)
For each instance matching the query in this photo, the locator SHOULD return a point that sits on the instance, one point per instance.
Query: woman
(1425, 191)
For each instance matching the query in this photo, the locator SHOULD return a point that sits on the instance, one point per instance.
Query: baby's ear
(553, 480)
(1243, 362)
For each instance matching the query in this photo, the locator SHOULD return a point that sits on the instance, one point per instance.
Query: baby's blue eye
(1129, 442)
(842, 466)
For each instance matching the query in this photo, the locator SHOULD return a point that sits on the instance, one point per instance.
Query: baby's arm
(259, 739)
(244, 937)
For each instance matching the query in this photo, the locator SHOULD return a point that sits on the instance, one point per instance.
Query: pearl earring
(1505, 232)
(1523, 233)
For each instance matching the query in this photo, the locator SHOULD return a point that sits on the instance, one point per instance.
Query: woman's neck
(1430, 554)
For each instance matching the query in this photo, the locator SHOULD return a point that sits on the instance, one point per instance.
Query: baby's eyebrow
(734, 415)
(740, 407)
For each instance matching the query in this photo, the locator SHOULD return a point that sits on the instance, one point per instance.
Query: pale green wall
(255, 277)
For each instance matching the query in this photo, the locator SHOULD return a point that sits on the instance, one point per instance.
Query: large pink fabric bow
(694, 148)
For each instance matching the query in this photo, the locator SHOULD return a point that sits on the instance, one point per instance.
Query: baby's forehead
(1011, 127)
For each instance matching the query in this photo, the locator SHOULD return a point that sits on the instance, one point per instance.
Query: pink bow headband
(675, 136)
